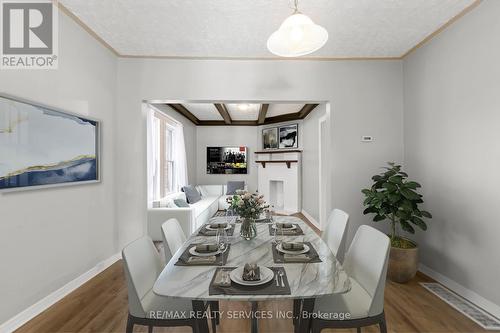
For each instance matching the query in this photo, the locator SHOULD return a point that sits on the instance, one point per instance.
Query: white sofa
(213, 198)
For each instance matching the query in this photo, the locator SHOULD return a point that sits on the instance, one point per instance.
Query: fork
(276, 278)
(280, 273)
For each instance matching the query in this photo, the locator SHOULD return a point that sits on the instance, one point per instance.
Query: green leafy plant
(393, 197)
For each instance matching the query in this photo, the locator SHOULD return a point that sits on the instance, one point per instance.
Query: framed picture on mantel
(270, 138)
(289, 136)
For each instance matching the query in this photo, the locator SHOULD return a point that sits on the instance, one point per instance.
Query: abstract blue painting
(42, 146)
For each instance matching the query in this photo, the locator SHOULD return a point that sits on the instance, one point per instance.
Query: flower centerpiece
(249, 206)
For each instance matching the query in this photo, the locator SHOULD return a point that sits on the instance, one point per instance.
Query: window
(164, 166)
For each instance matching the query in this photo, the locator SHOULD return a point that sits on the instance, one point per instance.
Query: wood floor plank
(100, 305)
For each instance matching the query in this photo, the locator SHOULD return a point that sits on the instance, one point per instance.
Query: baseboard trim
(462, 291)
(311, 219)
(34, 310)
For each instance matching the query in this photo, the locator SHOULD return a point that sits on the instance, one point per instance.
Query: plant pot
(402, 264)
(248, 229)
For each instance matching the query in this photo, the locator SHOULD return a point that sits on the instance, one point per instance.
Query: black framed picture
(270, 138)
(289, 136)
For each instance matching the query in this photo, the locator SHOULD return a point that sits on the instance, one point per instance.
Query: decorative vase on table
(248, 229)
(249, 206)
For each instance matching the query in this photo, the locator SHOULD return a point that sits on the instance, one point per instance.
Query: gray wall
(366, 98)
(451, 126)
(49, 237)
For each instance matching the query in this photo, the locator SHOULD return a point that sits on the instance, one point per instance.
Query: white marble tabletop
(307, 280)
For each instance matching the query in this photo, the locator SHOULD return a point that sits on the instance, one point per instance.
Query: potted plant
(249, 206)
(394, 198)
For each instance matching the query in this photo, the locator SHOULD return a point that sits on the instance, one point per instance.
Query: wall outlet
(366, 138)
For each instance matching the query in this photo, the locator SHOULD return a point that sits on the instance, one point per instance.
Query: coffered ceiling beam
(224, 113)
(262, 113)
(185, 112)
(223, 123)
(306, 110)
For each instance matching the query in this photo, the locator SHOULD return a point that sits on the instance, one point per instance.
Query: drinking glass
(221, 239)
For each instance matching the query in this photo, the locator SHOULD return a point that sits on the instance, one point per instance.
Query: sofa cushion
(168, 200)
(181, 203)
(202, 205)
(192, 194)
(233, 186)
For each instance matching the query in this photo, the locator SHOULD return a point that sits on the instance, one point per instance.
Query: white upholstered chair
(366, 264)
(173, 238)
(335, 233)
(142, 266)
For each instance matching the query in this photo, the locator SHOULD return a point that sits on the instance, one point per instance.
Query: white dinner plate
(274, 226)
(266, 275)
(304, 250)
(209, 227)
(202, 254)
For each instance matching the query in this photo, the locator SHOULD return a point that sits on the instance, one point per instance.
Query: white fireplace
(280, 179)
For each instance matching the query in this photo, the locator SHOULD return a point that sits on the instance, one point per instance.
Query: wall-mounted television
(226, 160)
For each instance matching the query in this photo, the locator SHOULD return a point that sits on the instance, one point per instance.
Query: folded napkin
(218, 225)
(222, 279)
(296, 257)
(251, 272)
(292, 246)
(201, 260)
(206, 248)
(288, 232)
(284, 225)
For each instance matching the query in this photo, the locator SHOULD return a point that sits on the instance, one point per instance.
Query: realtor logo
(29, 34)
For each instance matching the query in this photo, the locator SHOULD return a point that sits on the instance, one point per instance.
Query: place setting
(294, 252)
(285, 229)
(250, 279)
(215, 226)
(208, 253)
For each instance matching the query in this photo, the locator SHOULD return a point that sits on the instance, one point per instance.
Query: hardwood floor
(100, 305)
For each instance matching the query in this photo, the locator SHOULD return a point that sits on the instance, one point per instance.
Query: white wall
(310, 162)
(365, 96)
(451, 123)
(49, 237)
(219, 136)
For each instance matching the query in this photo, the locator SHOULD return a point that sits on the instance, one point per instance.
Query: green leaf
(377, 218)
(390, 187)
(369, 210)
(366, 191)
(394, 197)
(409, 194)
(407, 227)
(396, 179)
(367, 201)
(426, 214)
(419, 223)
(376, 178)
(412, 185)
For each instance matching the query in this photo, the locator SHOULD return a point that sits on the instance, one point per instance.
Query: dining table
(306, 280)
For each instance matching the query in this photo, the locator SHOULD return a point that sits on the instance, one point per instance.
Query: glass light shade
(298, 35)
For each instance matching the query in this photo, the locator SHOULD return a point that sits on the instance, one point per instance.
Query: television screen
(226, 160)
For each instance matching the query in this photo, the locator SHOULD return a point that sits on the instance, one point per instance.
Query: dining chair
(366, 264)
(142, 265)
(335, 233)
(173, 237)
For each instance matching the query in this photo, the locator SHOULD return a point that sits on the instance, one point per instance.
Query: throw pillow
(181, 203)
(233, 186)
(192, 195)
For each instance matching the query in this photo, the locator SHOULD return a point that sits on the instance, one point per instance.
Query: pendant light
(298, 35)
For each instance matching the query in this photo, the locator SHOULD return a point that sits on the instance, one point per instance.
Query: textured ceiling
(240, 28)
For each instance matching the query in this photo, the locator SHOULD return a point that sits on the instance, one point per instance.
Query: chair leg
(382, 324)
(130, 325)
(358, 329)
(214, 308)
(150, 329)
(296, 311)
